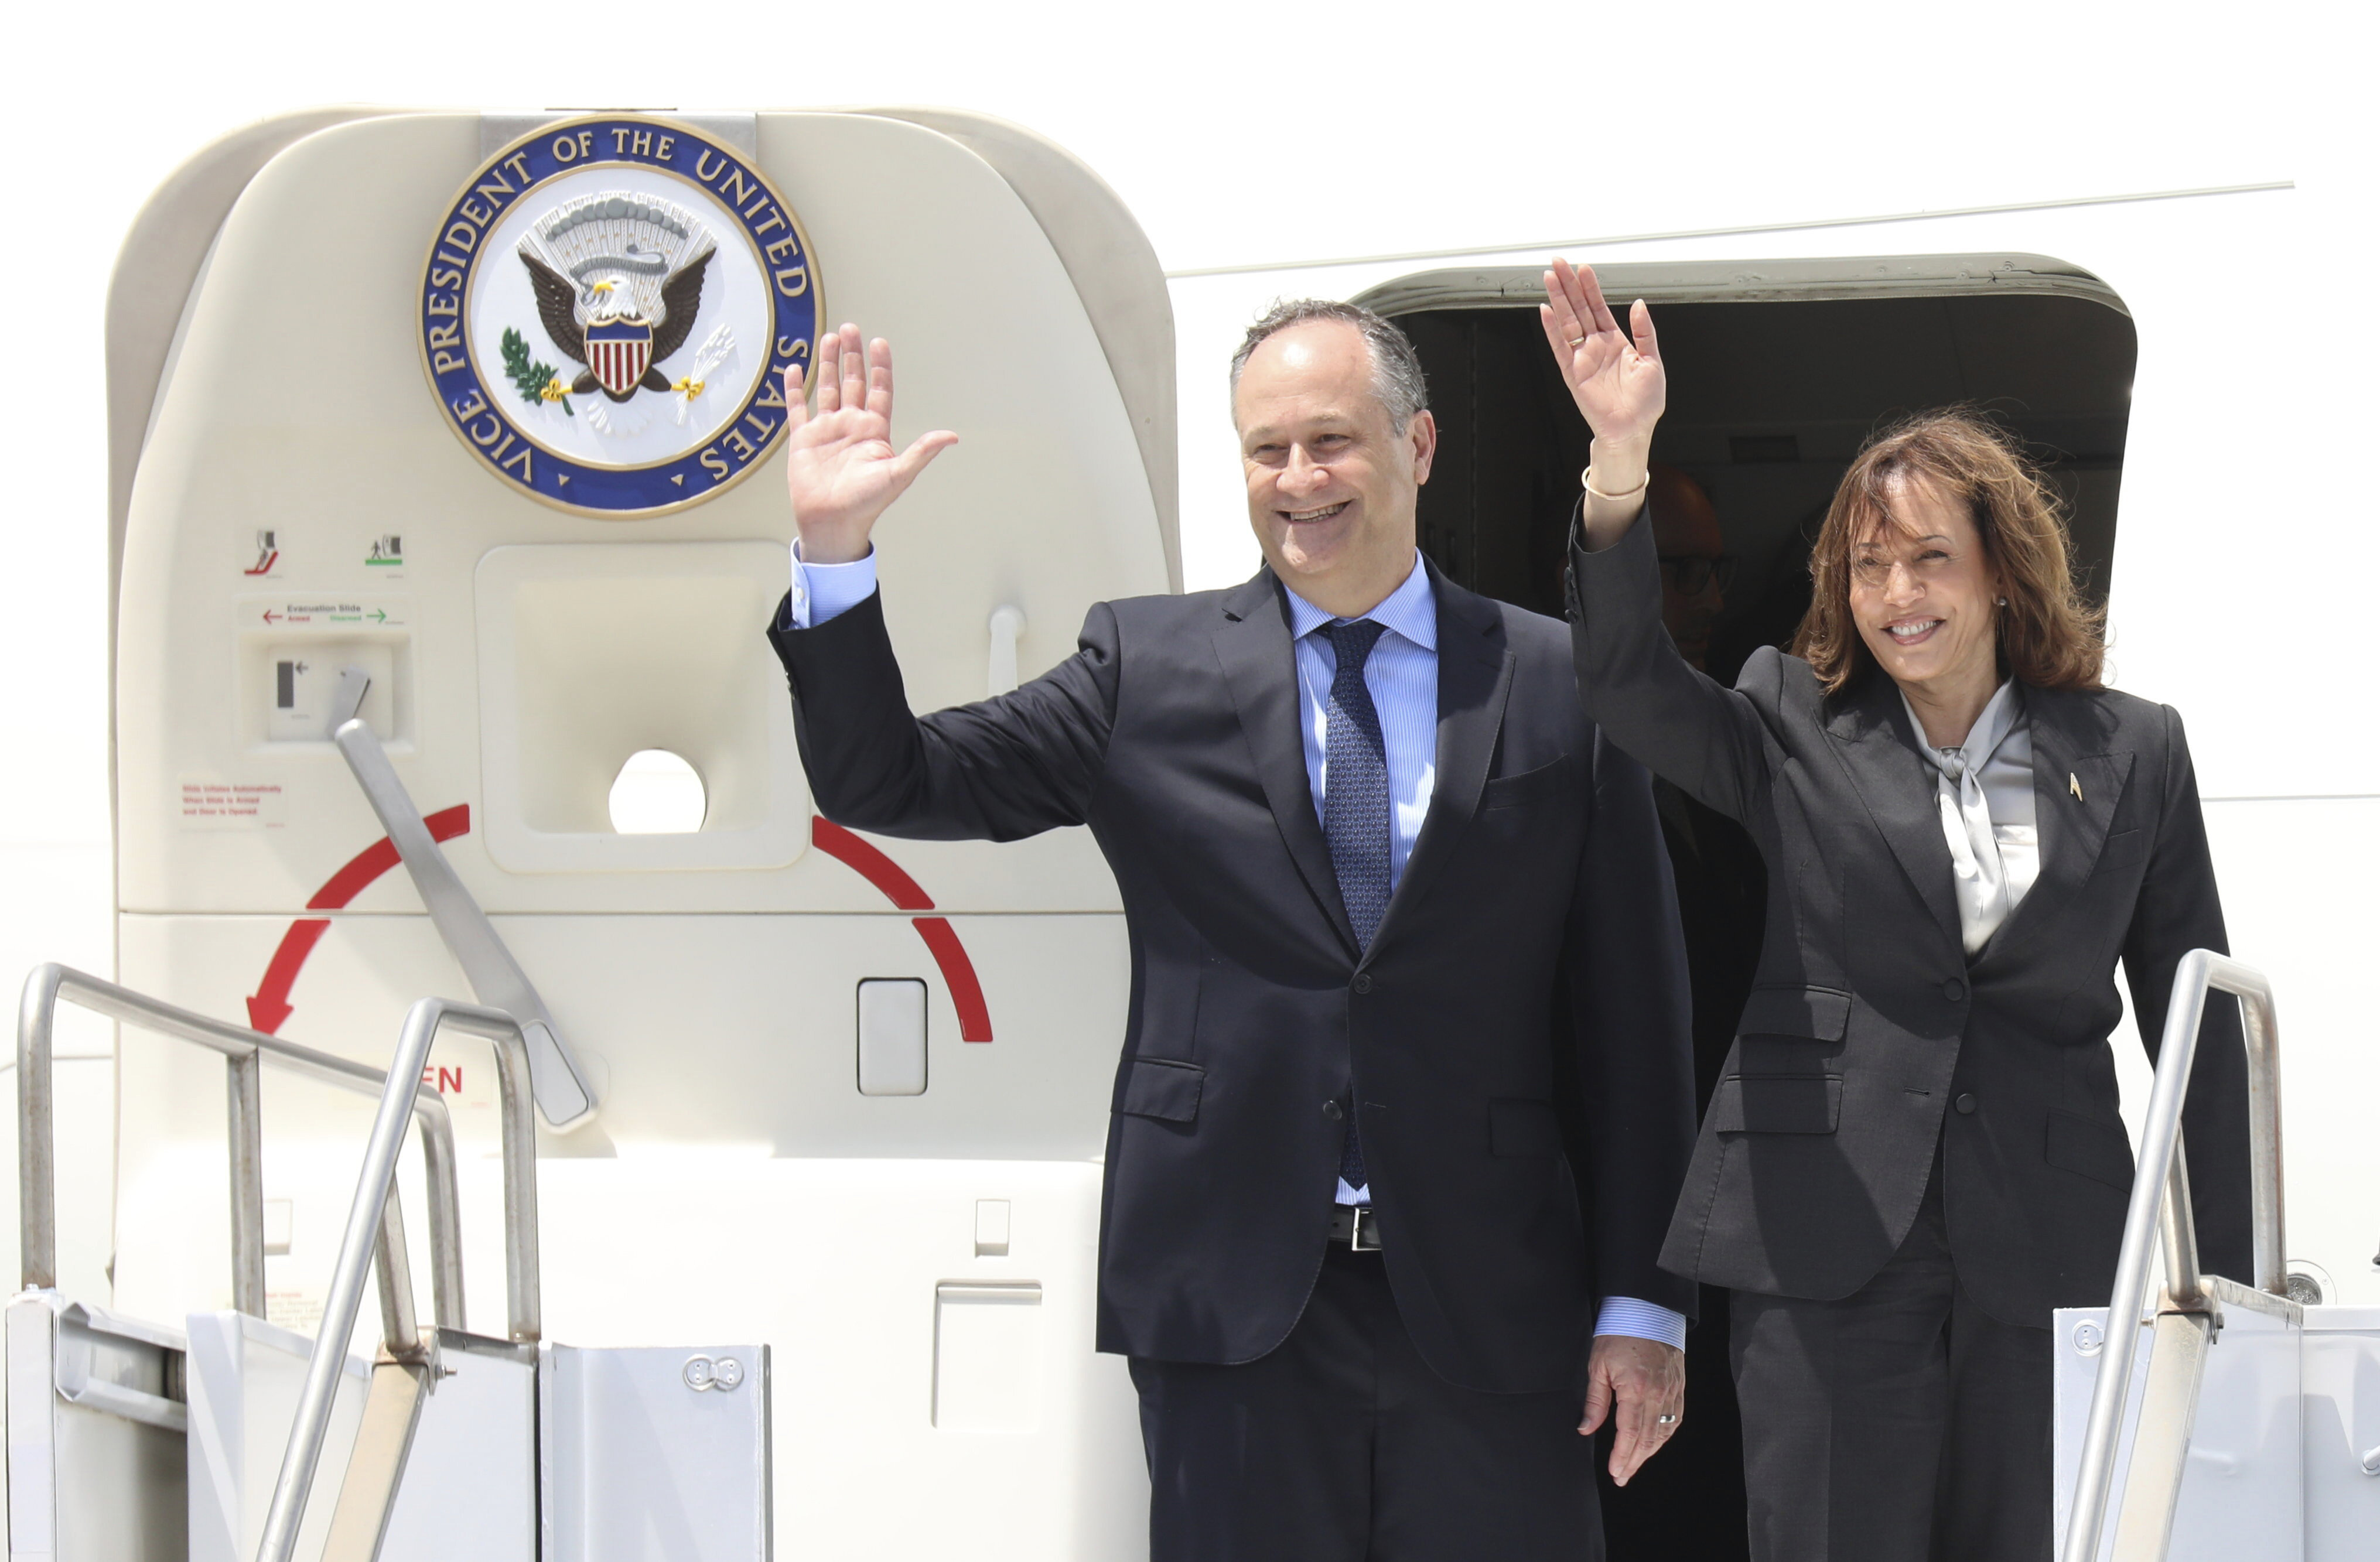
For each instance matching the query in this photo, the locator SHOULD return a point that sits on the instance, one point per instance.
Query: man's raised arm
(998, 770)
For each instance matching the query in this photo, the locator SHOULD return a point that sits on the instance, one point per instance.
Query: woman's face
(1922, 593)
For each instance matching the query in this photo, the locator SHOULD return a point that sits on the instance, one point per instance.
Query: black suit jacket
(1531, 940)
(1870, 1036)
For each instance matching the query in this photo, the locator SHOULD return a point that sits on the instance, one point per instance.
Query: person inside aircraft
(1387, 889)
(1913, 1156)
(1696, 568)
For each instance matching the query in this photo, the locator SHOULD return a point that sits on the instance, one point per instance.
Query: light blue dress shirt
(1402, 673)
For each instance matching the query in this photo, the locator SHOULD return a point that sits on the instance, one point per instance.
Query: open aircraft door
(462, 427)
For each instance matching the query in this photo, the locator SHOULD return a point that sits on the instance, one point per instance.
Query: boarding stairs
(231, 1439)
(2225, 1420)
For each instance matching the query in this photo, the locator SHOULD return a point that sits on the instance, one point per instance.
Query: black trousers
(1343, 1446)
(1901, 1423)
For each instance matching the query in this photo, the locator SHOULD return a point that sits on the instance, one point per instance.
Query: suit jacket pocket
(1523, 1128)
(1156, 1088)
(2097, 1150)
(1777, 1103)
(1529, 786)
(1820, 1013)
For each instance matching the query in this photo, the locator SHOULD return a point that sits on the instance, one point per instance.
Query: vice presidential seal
(608, 312)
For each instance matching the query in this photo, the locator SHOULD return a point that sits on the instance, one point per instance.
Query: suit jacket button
(1362, 983)
(1966, 1103)
(1334, 1110)
(1954, 990)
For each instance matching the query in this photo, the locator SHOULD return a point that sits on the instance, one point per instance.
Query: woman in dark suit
(1913, 1153)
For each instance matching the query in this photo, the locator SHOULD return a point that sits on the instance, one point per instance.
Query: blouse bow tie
(1979, 877)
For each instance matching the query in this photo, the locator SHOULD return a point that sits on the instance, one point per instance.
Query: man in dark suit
(1404, 950)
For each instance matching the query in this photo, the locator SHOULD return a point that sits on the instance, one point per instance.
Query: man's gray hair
(1396, 368)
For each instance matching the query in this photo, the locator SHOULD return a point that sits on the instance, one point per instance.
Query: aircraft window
(657, 792)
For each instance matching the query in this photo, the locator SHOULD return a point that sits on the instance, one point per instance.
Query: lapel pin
(2074, 786)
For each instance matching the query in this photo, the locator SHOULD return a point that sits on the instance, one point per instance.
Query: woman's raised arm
(1667, 717)
(1617, 380)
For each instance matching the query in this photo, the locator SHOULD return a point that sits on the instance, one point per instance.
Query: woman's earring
(2003, 602)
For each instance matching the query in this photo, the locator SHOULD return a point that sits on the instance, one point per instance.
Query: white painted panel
(2342, 1433)
(892, 1037)
(470, 1489)
(2242, 1491)
(84, 1483)
(656, 1454)
(2240, 1488)
(836, 1264)
(591, 652)
(987, 1356)
(244, 1376)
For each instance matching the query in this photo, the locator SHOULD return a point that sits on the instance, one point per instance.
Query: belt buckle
(1365, 1237)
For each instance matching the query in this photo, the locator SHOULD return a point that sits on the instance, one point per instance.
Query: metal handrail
(244, 1051)
(497, 980)
(2160, 1207)
(373, 1209)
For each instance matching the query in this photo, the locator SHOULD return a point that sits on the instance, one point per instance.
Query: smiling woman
(1912, 1156)
(1942, 547)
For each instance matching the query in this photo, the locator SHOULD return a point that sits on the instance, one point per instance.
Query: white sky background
(1237, 132)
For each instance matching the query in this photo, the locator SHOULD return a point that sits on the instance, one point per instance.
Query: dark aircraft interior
(1778, 372)
(1768, 402)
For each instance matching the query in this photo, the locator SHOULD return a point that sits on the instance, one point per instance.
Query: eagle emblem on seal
(618, 278)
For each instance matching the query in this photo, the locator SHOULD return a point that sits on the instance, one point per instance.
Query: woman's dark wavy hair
(2048, 636)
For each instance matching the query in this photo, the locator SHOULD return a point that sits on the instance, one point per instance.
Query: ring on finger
(1578, 341)
(1665, 1421)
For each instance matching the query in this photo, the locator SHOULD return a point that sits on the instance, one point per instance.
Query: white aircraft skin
(2203, 162)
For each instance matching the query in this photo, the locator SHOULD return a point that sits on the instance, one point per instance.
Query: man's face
(1685, 531)
(1331, 484)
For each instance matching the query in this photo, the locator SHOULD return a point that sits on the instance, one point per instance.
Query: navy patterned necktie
(1355, 811)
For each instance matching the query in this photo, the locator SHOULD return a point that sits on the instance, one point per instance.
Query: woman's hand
(841, 469)
(1615, 376)
(1618, 382)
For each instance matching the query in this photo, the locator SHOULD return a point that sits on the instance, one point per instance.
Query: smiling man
(1407, 979)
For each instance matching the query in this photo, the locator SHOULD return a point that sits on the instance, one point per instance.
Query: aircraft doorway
(1777, 372)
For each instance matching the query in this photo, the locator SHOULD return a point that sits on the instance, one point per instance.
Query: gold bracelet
(1586, 480)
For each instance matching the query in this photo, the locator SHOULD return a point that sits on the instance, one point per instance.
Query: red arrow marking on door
(380, 856)
(270, 1004)
(967, 993)
(269, 1007)
(941, 939)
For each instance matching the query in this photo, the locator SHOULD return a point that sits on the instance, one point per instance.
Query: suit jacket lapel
(2070, 830)
(1261, 670)
(1872, 738)
(1474, 677)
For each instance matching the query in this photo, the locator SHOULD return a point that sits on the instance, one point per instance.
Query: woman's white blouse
(1984, 788)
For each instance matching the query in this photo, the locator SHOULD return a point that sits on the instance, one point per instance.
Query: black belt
(1356, 1226)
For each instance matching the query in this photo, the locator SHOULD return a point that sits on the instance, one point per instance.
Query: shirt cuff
(1642, 1320)
(823, 591)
